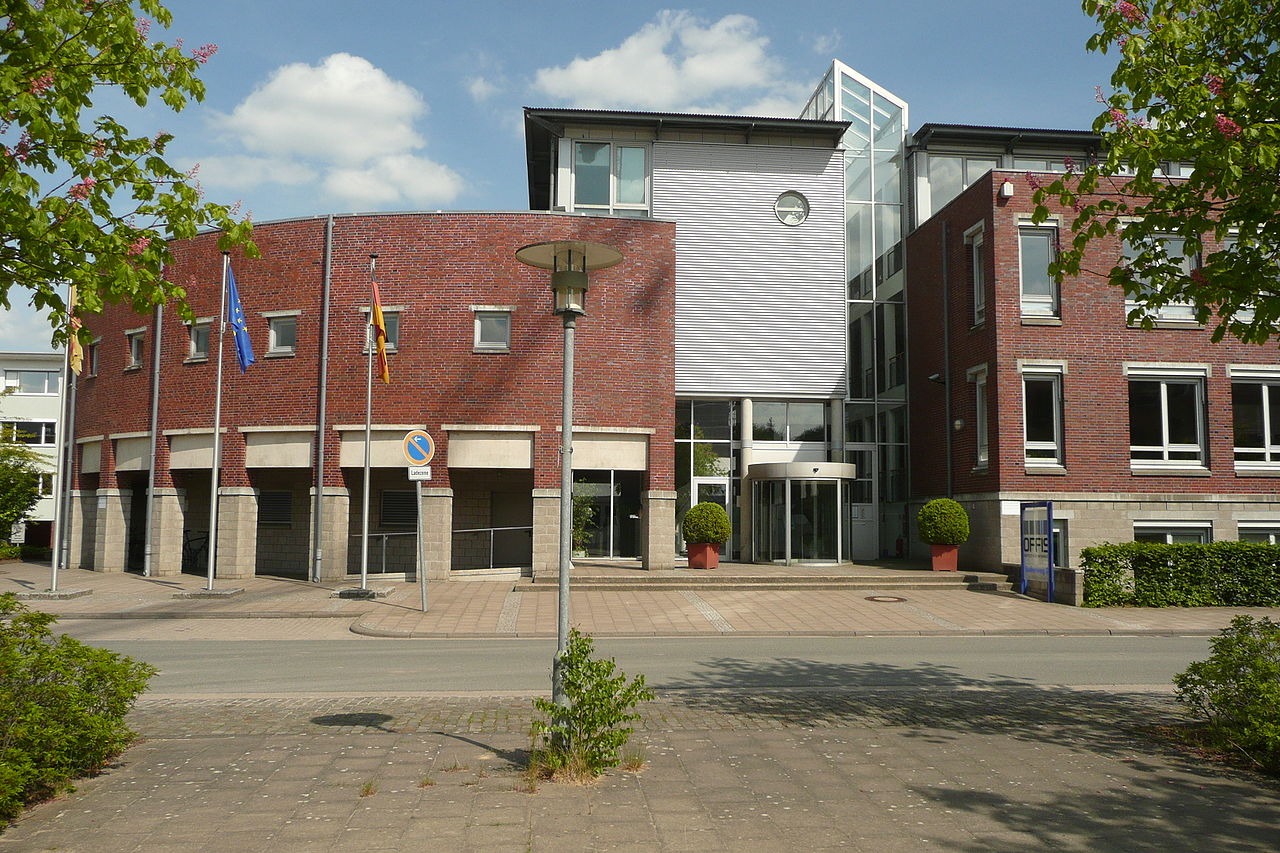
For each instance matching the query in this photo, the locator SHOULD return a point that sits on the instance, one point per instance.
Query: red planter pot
(945, 557)
(704, 555)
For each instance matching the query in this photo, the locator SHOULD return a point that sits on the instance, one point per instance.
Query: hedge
(62, 707)
(1151, 574)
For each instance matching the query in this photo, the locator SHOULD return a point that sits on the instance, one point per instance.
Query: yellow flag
(380, 336)
(75, 352)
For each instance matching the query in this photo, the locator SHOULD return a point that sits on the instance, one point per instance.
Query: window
(1060, 544)
(610, 177)
(36, 433)
(133, 345)
(978, 376)
(91, 354)
(1168, 250)
(1039, 164)
(1042, 415)
(199, 332)
(275, 509)
(949, 174)
(492, 329)
(391, 319)
(795, 421)
(1255, 415)
(977, 273)
(33, 381)
(1037, 247)
(1167, 418)
(1173, 532)
(398, 509)
(46, 485)
(282, 332)
(1261, 532)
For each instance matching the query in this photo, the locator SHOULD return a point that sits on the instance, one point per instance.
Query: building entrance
(801, 511)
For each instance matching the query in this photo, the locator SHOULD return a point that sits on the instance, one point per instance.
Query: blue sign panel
(418, 447)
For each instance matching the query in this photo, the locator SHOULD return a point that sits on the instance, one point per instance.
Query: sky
(335, 106)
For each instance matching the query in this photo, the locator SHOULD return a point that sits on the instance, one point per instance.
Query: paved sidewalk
(884, 770)
(507, 609)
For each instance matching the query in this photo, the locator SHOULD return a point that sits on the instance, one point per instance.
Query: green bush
(706, 522)
(1151, 574)
(1237, 690)
(9, 551)
(584, 738)
(35, 552)
(62, 706)
(943, 522)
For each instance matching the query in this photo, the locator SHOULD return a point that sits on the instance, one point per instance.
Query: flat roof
(544, 125)
(1005, 136)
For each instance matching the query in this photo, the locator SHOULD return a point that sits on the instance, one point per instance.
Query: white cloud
(343, 124)
(825, 44)
(481, 89)
(22, 327)
(675, 62)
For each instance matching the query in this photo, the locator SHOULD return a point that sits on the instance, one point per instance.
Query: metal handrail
(385, 537)
(491, 531)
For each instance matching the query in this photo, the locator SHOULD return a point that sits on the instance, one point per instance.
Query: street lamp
(569, 262)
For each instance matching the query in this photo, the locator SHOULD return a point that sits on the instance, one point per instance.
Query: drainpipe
(946, 348)
(317, 525)
(148, 547)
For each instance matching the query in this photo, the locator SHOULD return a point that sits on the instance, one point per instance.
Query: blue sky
(319, 106)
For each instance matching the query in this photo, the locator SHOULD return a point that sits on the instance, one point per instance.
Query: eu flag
(235, 316)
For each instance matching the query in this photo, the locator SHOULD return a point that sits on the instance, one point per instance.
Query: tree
(82, 200)
(1197, 83)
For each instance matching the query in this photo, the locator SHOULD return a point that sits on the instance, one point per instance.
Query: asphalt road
(203, 667)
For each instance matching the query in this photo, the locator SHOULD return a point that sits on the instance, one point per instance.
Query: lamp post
(569, 262)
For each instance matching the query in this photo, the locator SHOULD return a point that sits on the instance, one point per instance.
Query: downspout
(155, 422)
(946, 348)
(317, 564)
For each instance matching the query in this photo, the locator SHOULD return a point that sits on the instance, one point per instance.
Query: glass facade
(875, 413)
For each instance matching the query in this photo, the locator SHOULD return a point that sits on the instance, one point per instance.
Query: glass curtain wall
(876, 407)
(707, 460)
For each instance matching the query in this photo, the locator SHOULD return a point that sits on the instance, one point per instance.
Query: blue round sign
(419, 448)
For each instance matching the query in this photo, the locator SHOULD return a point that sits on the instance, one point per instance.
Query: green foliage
(943, 522)
(82, 200)
(62, 706)
(707, 523)
(1237, 690)
(20, 469)
(1196, 81)
(585, 738)
(584, 516)
(1151, 574)
(10, 552)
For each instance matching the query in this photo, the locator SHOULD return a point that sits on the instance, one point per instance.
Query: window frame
(201, 324)
(614, 205)
(978, 376)
(135, 348)
(1174, 313)
(481, 312)
(1035, 306)
(1165, 375)
(1055, 373)
(976, 262)
(46, 436)
(388, 312)
(1266, 377)
(1270, 528)
(13, 379)
(787, 437)
(275, 319)
(1170, 528)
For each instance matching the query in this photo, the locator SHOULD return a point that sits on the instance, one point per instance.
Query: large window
(1255, 415)
(794, 421)
(1037, 247)
(1169, 250)
(977, 274)
(1166, 420)
(1042, 415)
(610, 176)
(37, 433)
(978, 376)
(951, 173)
(1173, 532)
(32, 381)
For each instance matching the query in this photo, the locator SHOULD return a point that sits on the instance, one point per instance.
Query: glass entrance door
(716, 490)
(801, 521)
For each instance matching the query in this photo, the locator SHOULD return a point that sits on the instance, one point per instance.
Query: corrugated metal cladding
(760, 306)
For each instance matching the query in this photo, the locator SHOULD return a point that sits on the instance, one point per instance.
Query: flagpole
(60, 474)
(368, 428)
(214, 486)
(68, 467)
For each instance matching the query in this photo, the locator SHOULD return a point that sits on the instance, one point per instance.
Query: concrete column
(166, 532)
(657, 521)
(437, 532)
(111, 530)
(546, 533)
(335, 527)
(237, 533)
(83, 524)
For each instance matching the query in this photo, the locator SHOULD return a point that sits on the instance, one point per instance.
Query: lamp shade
(569, 262)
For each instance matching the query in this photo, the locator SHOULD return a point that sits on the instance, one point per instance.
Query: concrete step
(980, 581)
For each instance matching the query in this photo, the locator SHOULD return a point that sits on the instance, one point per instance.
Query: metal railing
(524, 546)
(383, 537)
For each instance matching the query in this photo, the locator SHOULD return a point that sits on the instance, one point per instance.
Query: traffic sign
(419, 448)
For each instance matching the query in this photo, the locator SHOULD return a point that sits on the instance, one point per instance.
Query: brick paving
(880, 770)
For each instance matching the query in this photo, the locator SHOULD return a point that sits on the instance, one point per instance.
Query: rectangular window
(133, 344)
(1042, 418)
(978, 376)
(1039, 164)
(1255, 414)
(282, 335)
(977, 275)
(1166, 422)
(91, 354)
(33, 381)
(275, 509)
(610, 176)
(1170, 250)
(1037, 248)
(1173, 532)
(35, 433)
(390, 319)
(794, 421)
(46, 485)
(1061, 559)
(1260, 532)
(199, 340)
(950, 174)
(492, 330)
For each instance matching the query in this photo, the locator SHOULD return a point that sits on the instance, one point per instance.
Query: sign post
(419, 450)
(1035, 525)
